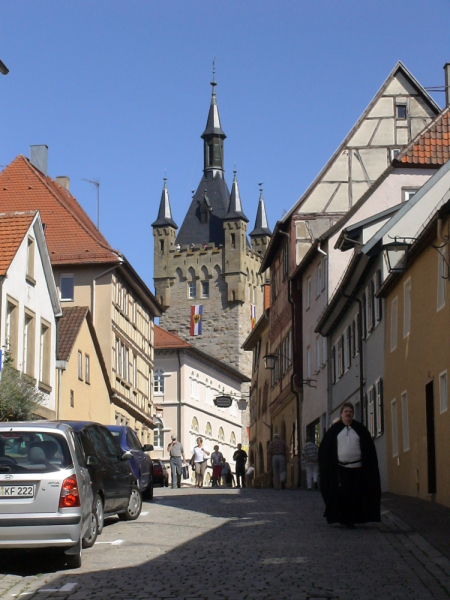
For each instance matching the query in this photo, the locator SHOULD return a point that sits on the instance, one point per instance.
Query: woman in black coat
(349, 475)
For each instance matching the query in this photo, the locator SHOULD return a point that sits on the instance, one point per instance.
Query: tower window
(205, 289)
(233, 240)
(191, 289)
(161, 246)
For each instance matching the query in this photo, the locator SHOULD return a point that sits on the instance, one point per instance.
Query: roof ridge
(43, 179)
(399, 66)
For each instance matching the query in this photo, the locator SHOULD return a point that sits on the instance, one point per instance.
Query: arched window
(158, 433)
(233, 439)
(208, 429)
(158, 382)
(194, 424)
(221, 434)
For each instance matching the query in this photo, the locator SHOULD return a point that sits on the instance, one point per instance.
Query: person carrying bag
(198, 462)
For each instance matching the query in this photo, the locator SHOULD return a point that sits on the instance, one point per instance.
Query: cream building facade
(186, 382)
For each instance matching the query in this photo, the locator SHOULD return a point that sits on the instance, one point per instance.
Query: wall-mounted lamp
(396, 255)
(270, 361)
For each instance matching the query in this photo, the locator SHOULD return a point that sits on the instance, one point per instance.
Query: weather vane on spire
(213, 82)
(260, 186)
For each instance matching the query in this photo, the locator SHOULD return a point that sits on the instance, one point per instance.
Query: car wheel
(74, 560)
(134, 506)
(98, 509)
(91, 535)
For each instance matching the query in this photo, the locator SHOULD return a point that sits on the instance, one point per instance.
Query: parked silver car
(46, 497)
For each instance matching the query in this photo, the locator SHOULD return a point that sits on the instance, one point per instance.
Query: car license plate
(16, 491)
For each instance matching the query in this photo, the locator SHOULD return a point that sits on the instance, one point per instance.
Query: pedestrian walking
(177, 459)
(240, 458)
(216, 463)
(198, 461)
(310, 457)
(349, 475)
(277, 456)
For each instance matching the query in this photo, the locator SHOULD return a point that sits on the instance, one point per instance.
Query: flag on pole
(253, 317)
(196, 319)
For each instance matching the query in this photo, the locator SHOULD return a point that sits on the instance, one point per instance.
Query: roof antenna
(97, 185)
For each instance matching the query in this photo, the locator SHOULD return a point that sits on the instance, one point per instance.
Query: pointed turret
(235, 207)
(213, 137)
(261, 234)
(164, 231)
(164, 213)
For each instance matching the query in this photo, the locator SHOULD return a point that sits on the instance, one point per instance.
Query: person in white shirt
(198, 462)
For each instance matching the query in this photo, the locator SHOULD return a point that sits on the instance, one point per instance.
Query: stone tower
(210, 262)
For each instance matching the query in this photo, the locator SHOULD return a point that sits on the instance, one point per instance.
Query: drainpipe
(361, 361)
(294, 363)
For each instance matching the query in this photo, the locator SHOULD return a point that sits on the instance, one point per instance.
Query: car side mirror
(147, 447)
(126, 455)
(92, 460)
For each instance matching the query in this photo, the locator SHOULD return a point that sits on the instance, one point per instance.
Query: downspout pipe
(361, 359)
(294, 373)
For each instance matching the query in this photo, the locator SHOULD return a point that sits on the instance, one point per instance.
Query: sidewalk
(429, 519)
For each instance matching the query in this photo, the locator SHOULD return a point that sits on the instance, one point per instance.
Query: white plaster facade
(37, 299)
(390, 192)
(185, 404)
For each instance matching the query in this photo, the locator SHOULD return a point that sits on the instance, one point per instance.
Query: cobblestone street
(247, 544)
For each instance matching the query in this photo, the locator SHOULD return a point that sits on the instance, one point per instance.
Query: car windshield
(115, 433)
(33, 452)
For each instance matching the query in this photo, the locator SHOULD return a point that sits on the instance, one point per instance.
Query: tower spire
(235, 207)
(213, 136)
(164, 213)
(261, 223)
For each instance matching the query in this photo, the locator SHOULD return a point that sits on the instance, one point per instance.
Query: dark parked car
(113, 482)
(141, 463)
(160, 473)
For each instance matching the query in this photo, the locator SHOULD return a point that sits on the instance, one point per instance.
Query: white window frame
(371, 426)
(319, 362)
(394, 428)
(407, 308)
(405, 421)
(192, 290)
(80, 365)
(379, 406)
(308, 362)
(158, 381)
(394, 323)
(443, 392)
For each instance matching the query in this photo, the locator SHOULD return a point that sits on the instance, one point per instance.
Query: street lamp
(396, 255)
(270, 361)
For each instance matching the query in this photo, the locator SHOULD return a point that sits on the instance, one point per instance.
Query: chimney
(63, 181)
(39, 158)
(447, 83)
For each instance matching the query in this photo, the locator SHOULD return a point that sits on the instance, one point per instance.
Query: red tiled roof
(68, 328)
(71, 236)
(164, 339)
(431, 148)
(13, 227)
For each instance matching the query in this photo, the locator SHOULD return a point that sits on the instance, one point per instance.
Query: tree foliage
(19, 399)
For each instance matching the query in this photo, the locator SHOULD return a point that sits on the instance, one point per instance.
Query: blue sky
(119, 91)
